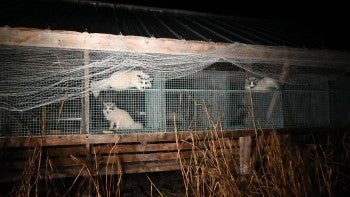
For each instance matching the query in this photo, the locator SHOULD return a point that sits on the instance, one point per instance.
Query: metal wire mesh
(195, 101)
(339, 102)
(306, 104)
(60, 118)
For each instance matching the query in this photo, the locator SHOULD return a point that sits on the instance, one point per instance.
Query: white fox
(122, 80)
(118, 118)
(266, 83)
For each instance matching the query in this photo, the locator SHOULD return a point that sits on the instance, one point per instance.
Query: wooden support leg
(244, 154)
(86, 104)
(276, 94)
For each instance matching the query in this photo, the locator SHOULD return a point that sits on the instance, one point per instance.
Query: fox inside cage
(134, 101)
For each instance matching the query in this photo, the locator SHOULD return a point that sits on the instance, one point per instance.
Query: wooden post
(86, 104)
(277, 94)
(156, 105)
(244, 154)
(86, 101)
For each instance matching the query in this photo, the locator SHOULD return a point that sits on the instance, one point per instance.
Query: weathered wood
(15, 153)
(130, 168)
(138, 148)
(86, 100)
(159, 147)
(143, 138)
(163, 136)
(242, 52)
(107, 139)
(56, 162)
(244, 154)
(277, 94)
(151, 167)
(45, 141)
(134, 158)
(161, 155)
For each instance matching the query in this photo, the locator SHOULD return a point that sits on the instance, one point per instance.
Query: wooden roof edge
(137, 44)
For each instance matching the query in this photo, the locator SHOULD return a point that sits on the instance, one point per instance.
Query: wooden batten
(83, 139)
(135, 153)
(68, 156)
(238, 52)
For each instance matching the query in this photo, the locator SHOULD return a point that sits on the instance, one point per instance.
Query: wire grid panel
(196, 102)
(339, 101)
(125, 110)
(20, 123)
(195, 110)
(41, 97)
(63, 118)
(306, 103)
(262, 109)
(340, 108)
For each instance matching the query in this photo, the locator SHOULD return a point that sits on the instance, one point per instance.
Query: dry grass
(39, 178)
(277, 167)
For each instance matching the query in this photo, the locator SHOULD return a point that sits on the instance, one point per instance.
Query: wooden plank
(57, 162)
(143, 138)
(97, 41)
(86, 100)
(128, 158)
(164, 136)
(129, 168)
(65, 151)
(49, 151)
(244, 154)
(106, 139)
(151, 167)
(277, 94)
(137, 148)
(44, 141)
(161, 156)
(245, 53)
(159, 147)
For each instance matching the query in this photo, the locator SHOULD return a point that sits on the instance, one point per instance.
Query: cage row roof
(100, 17)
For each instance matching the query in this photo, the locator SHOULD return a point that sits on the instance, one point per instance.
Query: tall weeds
(277, 167)
(39, 178)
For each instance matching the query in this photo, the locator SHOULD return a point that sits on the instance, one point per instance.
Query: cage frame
(95, 41)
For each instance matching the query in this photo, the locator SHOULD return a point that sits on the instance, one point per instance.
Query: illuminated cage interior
(44, 91)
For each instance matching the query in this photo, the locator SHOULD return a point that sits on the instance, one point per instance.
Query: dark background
(327, 19)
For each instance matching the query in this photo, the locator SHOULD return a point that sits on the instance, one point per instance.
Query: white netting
(37, 76)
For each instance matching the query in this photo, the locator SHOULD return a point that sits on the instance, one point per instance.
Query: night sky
(327, 19)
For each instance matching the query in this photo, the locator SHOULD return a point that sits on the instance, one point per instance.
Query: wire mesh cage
(339, 101)
(306, 103)
(74, 91)
(122, 110)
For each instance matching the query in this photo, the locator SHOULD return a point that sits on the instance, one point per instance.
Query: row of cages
(192, 103)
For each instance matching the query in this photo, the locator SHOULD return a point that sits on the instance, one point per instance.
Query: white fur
(118, 118)
(122, 80)
(264, 84)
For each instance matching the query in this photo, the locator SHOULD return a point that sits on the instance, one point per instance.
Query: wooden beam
(113, 139)
(244, 53)
(244, 154)
(86, 100)
(144, 137)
